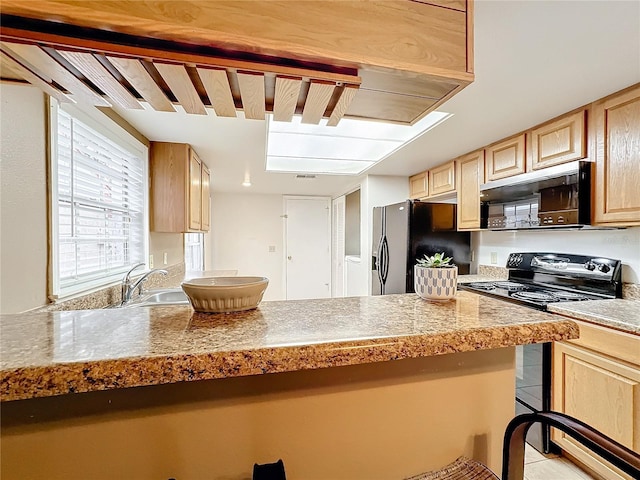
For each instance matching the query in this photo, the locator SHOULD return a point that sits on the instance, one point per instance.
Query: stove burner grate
(482, 285)
(535, 296)
(510, 286)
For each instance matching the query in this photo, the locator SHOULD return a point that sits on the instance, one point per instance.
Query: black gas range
(537, 280)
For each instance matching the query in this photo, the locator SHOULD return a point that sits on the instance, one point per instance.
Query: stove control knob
(590, 266)
(604, 268)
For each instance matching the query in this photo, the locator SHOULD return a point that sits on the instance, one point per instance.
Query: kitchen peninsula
(167, 392)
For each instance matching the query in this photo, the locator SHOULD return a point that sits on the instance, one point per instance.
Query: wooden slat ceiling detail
(140, 79)
(287, 91)
(91, 68)
(253, 95)
(32, 78)
(216, 84)
(180, 84)
(43, 65)
(108, 80)
(317, 100)
(342, 106)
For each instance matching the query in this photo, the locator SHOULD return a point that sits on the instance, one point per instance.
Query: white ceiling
(533, 60)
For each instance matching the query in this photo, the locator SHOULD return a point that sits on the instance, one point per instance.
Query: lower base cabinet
(597, 380)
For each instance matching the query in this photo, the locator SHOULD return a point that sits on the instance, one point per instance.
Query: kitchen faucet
(129, 288)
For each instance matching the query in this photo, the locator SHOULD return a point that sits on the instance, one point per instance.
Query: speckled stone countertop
(619, 313)
(57, 353)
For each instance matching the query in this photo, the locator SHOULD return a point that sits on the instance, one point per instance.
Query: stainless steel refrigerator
(404, 232)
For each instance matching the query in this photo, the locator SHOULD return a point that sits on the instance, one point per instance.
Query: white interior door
(307, 247)
(338, 247)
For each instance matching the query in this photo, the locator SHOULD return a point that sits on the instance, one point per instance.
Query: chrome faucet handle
(125, 288)
(127, 275)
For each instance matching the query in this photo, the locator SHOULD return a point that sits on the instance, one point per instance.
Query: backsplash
(111, 295)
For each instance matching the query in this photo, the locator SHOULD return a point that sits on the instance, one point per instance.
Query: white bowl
(225, 294)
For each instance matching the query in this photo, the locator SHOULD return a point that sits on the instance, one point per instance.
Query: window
(194, 251)
(99, 185)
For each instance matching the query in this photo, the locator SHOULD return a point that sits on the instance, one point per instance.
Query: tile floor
(551, 467)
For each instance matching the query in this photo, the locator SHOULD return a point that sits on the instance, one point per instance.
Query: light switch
(494, 258)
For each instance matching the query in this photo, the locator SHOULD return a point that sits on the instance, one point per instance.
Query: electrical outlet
(150, 261)
(165, 258)
(494, 258)
(272, 248)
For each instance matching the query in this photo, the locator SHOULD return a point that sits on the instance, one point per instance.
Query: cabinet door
(470, 174)
(206, 212)
(560, 141)
(418, 186)
(600, 391)
(195, 191)
(506, 158)
(442, 179)
(617, 126)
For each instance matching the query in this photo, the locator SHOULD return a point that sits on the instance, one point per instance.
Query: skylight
(347, 149)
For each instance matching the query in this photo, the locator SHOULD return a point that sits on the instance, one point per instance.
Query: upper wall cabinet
(392, 60)
(442, 179)
(559, 141)
(469, 174)
(505, 158)
(179, 189)
(418, 186)
(617, 155)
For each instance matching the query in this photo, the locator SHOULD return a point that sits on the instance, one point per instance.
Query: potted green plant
(435, 278)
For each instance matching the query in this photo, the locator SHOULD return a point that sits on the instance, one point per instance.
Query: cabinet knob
(289, 257)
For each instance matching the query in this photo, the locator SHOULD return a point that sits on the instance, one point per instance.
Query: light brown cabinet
(562, 140)
(418, 187)
(505, 158)
(469, 175)
(442, 179)
(597, 380)
(617, 156)
(179, 189)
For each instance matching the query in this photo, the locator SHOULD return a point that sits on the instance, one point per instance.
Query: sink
(158, 298)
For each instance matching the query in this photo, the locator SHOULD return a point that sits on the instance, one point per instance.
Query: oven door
(533, 389)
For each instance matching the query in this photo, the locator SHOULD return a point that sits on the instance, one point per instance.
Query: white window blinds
(99, 207)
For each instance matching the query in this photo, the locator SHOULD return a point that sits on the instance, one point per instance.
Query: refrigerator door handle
(385, 260)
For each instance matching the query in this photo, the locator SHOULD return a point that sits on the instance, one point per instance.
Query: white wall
(23, 198)
(243, 226)
(623, 244)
